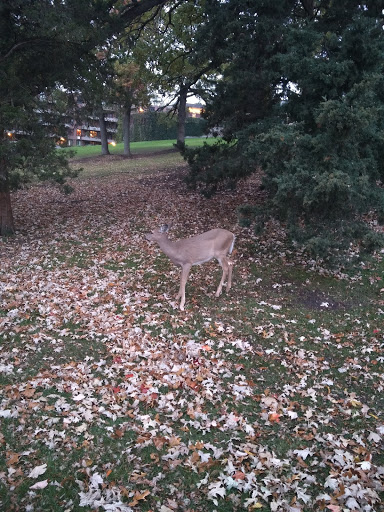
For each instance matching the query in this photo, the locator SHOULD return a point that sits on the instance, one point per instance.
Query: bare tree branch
(19, 45)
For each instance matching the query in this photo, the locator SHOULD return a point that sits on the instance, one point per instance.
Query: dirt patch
(316, 300)
(172, 180)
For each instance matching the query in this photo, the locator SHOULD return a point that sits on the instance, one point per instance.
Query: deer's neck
(170, 249)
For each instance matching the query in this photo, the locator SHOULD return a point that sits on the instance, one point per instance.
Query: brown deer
(216, 243)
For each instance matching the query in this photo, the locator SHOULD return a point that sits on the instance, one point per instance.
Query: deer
(216, 243)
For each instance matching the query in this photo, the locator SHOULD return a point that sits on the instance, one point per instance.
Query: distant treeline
(160, 126)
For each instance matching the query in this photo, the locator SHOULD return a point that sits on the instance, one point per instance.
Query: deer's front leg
(184, 276)
(230, 269)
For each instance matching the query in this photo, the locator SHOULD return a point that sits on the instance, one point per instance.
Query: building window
(78, 132)
(93, 134)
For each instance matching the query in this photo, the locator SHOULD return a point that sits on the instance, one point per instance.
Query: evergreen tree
(302, 96)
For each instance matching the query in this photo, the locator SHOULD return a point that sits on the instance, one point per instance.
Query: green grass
(137, 148)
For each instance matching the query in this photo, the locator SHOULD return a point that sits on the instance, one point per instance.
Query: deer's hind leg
(225, 266)
(229, 281)
(184, 276)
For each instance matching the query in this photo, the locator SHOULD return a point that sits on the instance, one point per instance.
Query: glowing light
(113, 143)
(195, 111)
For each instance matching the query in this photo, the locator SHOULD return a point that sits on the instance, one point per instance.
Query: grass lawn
(268, 398)
(137, 148)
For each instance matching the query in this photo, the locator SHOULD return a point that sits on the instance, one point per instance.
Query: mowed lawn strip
(137, 148)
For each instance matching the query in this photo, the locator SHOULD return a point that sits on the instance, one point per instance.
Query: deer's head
(158, 234)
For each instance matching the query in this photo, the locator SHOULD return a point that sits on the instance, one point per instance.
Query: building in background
(82, 128)
(88, 132)
(72, 123)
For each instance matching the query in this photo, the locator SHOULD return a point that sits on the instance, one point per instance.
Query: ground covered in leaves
(269, 398)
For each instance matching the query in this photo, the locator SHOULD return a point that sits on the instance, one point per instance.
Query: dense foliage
(302, 96)
(36, 58)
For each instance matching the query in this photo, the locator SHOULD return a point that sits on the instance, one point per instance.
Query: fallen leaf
(40, 485)
(139, 496)
(274, 417)
(29, 391)
(37, 471)
(12, 458)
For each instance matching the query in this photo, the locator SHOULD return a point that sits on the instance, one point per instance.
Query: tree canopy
(181, 70)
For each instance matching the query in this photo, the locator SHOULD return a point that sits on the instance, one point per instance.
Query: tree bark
(7, 226)
(127, 130)
(181, 117)
(309, 7)
(103, 134)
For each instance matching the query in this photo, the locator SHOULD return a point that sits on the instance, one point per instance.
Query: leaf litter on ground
(258, 400)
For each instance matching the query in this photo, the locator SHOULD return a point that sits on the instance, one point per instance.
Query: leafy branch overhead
(179, 68)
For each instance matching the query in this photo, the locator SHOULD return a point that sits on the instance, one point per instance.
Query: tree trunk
(103, 134)
(309, 7)
(181, 116)
(127, 130)
(7, 226)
